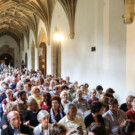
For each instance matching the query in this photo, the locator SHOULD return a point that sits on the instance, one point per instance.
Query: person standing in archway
(22, 64)
(2, 66)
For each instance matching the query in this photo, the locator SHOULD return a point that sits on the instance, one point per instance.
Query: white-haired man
(72, 122)
(15, 127)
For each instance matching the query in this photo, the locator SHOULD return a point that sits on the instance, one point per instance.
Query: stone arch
(33, 55)
(42, 37)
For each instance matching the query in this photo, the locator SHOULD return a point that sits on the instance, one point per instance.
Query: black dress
(32, 117)
(89, 119)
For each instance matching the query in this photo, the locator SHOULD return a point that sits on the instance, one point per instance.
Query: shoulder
(38, 129)
(88, 116)
(106, 114)
(78, 118)
(129, 112)
(63, 120)
(121, 111)
(7, 131)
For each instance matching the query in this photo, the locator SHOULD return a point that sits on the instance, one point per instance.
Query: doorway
(42, 58)
(7, 59)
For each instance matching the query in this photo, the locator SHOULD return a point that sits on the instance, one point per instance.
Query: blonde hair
(10, 106)
(34, 88)
(62, 93)
(33, 101)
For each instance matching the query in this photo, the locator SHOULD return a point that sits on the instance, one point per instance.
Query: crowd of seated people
(34, 104)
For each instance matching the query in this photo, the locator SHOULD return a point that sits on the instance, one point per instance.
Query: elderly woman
(44, 126)
(56, 112)
(30, 116)
(9, 94)
(35, 91)
(11, 106)
(81, 103)
(64, 98)
(19, 87)
(93, 97)
(57, 129)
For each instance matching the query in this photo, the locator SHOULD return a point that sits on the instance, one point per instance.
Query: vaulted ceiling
(17, 17)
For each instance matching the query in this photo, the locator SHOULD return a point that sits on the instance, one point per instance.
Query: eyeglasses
(36, 92)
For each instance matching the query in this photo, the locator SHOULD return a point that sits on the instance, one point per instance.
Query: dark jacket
(89, 119)
(10, 131)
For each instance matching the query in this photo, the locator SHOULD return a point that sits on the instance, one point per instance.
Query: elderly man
(15, 127)
(72, 122)
(82, 104)
(113, 117)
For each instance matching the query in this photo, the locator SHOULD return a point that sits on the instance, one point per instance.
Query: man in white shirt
(73, 123)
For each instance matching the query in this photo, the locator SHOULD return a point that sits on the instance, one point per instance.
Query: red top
(43, 106)
(131, 114)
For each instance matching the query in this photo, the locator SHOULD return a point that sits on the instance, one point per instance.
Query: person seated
(113, 117)
(95, 115)
(105, 102)
(19, 87)
(131, 113)
(67, 80)
(11, 106)
(127, 106)
(44, 126)
(72, 122)
(85, 90)
(110, 90)
(55, 91)
(52, 85)
(15, 127)
(13, 83)
(127, 127)
(93, 97)
(72, 92)
(45, 104)
(97, 129)
(35, 93)
(56, 112)
(9, 94)
(64, 98)
(21, 101)
(76, 85)
(30, 115)
(27, 88)
(100, 93)
(81, 103)
(57, 129)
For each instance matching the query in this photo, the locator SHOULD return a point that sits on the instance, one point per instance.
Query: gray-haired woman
(44, 126)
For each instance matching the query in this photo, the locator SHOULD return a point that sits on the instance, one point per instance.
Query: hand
(27, 123)
(80, 132)
(1, 94)
(72, 131)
